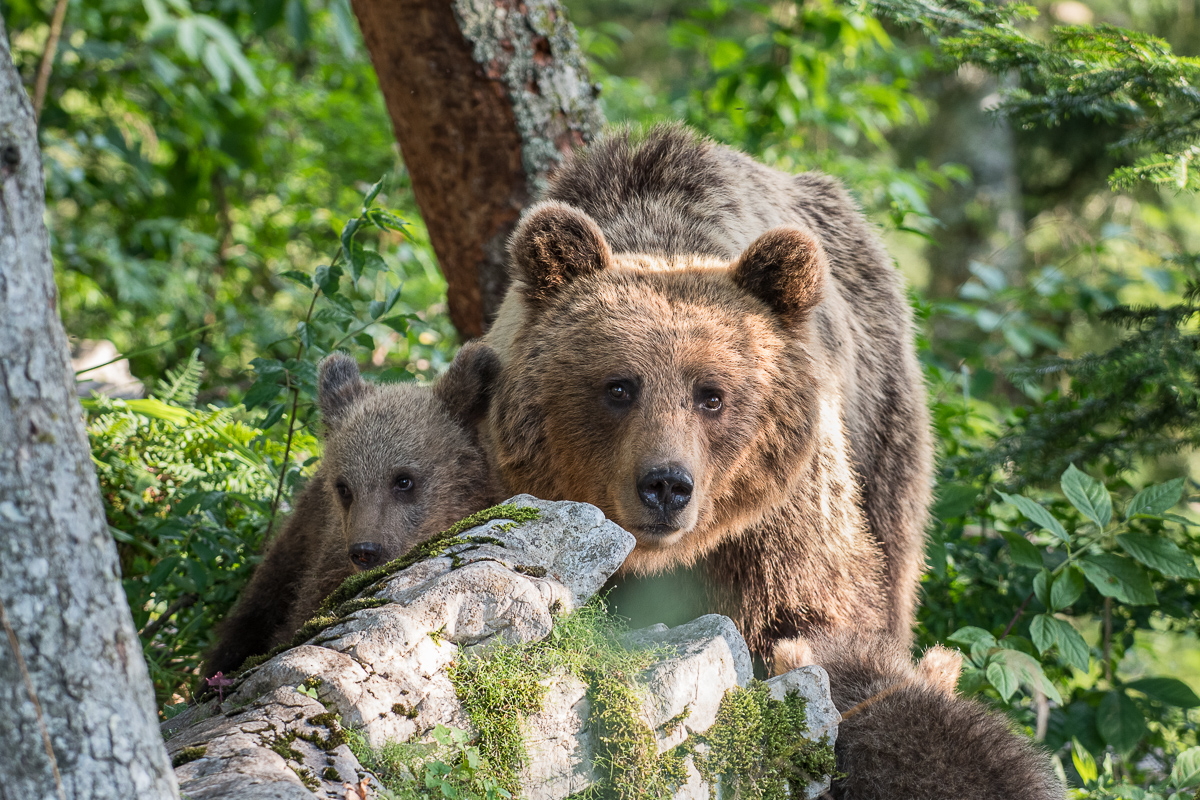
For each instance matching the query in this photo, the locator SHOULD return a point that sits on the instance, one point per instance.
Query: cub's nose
(665, 489)
(366, 554)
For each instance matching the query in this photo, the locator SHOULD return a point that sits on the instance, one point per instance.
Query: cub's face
(402, 462)
(660, 390)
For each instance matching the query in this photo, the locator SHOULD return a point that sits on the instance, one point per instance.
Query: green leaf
(372, 194)
(1042, 632)
(365, 340)
(348, 231)
(261, 393)
(297, 21)
(1171, 691)
(1088, 495)
(1156, 500)
(1066, 589)
(1024, 669)
(302, 278)
(1186, 772)
(355, 257)
(1002, 677)
(1085, 765)
(399, 322)
(1048, 631)
(1160, 553)
(375, 309)
(1022, 550)
(372, 262)
(327, 277)
(954, 500)
(1120, 721)
(1041, 587)
(1037, 514)
(1119, 577)
(274, 414)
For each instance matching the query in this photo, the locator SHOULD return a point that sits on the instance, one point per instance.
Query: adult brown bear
(720, 356)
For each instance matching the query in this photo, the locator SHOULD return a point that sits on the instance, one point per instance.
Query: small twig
(43, 76)
(1017, 616)
(145, 350)
(37, 706)
(1108, 639)
(180, 603)
(287, 448)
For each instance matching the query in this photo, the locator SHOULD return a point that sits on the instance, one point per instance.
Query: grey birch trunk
(77, 717)
(485, 97)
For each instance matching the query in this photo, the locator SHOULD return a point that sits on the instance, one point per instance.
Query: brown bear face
(658, 389)
(402, 462)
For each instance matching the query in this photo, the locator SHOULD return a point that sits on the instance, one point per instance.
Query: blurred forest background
(207, 163)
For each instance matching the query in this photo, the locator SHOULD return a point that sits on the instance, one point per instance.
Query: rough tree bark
(485, 96)
(77, 714)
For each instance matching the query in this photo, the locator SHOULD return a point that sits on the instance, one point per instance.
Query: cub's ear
(339, 387)
(466, 386)
(786, 268)
(553, 245)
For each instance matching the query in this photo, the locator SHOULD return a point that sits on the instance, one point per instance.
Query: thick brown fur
(410, 464)
(906, 735)
(686, 268)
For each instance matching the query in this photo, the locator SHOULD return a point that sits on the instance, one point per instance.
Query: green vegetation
(448, 767)
(209, 173)
(757, 746)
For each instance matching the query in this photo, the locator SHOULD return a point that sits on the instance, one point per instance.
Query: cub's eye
(403, 483)
(344, 492)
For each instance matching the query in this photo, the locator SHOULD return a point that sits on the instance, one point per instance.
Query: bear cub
(402, 463)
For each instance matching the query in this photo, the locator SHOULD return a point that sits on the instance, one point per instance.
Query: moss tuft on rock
(757, 746)
(188, 755)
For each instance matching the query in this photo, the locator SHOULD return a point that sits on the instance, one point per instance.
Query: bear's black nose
(366, 554)
(665, 489)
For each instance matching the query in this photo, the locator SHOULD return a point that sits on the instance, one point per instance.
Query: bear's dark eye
(712, 401)
(343, 490)
(402, 484)
(619, 393)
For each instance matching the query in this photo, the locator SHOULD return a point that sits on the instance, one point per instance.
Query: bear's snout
(365, 555)
(666, 490)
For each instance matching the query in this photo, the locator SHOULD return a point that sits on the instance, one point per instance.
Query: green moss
(331, 774)
(532, 570)
(508, 682)
(676, 722)
(188, 755)
(283, 746)
(307, 778)
(626, 756)
(331, 722)
(404, 711)
(758, 748)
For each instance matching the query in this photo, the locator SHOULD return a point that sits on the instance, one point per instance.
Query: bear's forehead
(692, 316)
(396, 426)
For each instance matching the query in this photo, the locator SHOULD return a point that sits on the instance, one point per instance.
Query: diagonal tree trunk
(77, 712)
(485, 96)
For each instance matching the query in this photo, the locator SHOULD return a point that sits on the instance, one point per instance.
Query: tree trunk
(485, 96)
(77, 714)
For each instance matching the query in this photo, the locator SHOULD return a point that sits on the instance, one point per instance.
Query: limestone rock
(382, 670)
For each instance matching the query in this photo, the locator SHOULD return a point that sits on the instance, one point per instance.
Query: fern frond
(181, 385)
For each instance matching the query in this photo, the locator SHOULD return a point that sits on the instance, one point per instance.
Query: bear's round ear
(786, 268)
(553, 245)
(465, 388)
(339, 386)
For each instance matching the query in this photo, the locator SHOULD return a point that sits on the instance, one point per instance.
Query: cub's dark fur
(907, 736)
